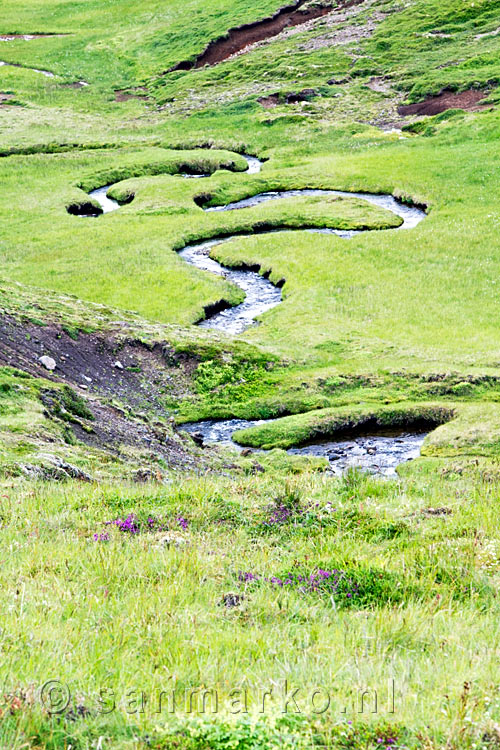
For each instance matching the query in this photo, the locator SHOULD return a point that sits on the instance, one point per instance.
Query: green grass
(392, 324)
(430, 584)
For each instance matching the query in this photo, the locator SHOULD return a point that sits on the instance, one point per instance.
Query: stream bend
(260, 294)
(379, 453)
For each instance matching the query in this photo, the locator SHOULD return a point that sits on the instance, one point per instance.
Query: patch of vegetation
(389, 580)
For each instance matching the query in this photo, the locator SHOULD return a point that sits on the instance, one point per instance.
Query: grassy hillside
(142, 567)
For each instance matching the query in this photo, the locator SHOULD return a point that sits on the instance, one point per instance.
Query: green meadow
(157, 593)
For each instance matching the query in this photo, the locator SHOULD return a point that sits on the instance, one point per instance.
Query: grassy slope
(384, 318)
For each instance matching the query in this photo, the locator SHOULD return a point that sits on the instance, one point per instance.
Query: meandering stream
(45, 73)
(379, 453)
(260, 294)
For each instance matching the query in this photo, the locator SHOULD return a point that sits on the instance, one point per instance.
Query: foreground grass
(406, 604)
(143, 607)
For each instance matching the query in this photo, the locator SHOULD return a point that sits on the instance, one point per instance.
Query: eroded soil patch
(468, 100)
(91, 361)
(237, 39)
(274, 100)
(125, 95)
(124, 385)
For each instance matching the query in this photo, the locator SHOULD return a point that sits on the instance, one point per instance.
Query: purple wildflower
(128, 525)
(245, 576)
(183, 522)
(101, 537)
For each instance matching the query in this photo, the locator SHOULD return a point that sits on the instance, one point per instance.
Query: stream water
(260, 294)
(378, 453)
(46, 73)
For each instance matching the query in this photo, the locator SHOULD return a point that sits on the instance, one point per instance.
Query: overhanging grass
(331, 423)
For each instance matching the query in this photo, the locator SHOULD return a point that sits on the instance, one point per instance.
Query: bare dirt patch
(124, 384)
(270, 101)
(138, 376)
(238, 39)
(5, 99)
(124, 95)
(468, 100)
(274, 100)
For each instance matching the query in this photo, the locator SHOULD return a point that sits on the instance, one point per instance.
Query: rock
(57, 471)
(246, 452)
(231, 600)
(118, 365)
(257, 468)
(172, 539)
(48, 362)
(72, 471)
(147, 475)
(337, 81)
(198, 439)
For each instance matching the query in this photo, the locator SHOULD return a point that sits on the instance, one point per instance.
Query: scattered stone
(172, 539)
(48, 362)
(291, 97)
(58, 471)
(118, 365)
(147, 475)
(437, 512)
(231, 600)
(198, 439)
(379, 84)
(72, 471)
(257, 468)
(338, 81)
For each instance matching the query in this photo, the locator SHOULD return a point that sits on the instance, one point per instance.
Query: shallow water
(411, 215)
(261, 297)
(260, 294)
(46, 73)
(379, 453)
(107, 204)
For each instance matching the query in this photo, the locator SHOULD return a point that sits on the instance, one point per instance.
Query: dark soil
(434, 105)
(243, 36)
(85, 208)
(88, 364)
(292, 97)
(270, 101)
(124, 95)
